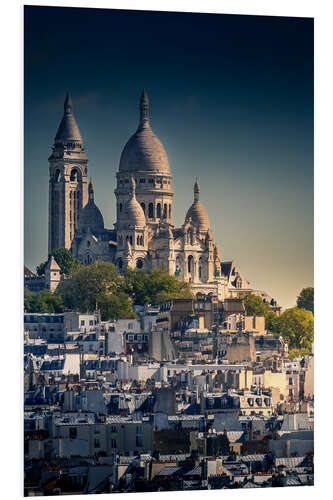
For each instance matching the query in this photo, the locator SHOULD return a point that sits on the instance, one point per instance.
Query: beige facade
(268, 379)
(309, 379)
(125, 437)
(144, 235)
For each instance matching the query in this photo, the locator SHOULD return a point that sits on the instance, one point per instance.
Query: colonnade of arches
(139, 239)
(192, 268)
(152, 211)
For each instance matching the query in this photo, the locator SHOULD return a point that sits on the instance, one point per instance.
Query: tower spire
(91, 190)
(68, 104)
(144, 110)
(196, 190)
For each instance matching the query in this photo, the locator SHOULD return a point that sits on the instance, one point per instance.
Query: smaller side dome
(197, 212)
(90, 216)
(133, 214)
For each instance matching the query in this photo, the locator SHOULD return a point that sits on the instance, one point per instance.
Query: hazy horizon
(231, 99)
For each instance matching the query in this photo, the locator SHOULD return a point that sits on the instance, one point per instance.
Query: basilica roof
(90, 215)
(68, 129)
(144, 151)
(132, 213)
(197, 212)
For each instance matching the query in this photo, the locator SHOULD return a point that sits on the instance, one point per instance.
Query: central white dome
(144, 151)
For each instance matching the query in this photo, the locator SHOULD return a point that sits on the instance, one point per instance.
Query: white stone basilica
(143, 236)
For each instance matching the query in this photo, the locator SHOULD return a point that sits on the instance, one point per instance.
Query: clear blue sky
(231, 99)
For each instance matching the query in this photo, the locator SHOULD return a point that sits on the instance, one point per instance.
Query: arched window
(74, 174)
(57, 175)
(141, 240)
(170, 211)
(143, 208)
(165, 211)
(139, 263)
(120, 207)
(190, 263)
(200, 267)
(138, 240)
(151, 211)
(88, 259)
(158, 214)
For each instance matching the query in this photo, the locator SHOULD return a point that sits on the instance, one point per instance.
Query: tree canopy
(154, 287)
(42, 302)
(255, 306)
(305, 300)
(297, 328)
(101, 286)
(89, 286)
(65, 260)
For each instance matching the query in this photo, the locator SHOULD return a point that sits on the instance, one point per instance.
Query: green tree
(88, 287)
(305, 300)
(297, 327)
(65, 260)
(154, 287)
(114, 306)
(42, 302)
(255, 306)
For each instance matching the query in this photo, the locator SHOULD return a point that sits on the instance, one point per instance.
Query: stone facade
(144, 236)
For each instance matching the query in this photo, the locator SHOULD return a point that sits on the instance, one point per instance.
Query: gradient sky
(231, 99)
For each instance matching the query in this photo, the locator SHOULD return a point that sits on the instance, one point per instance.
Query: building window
(138, 436)
(139, 264)
(165, 211)
(120, 207)
(190, 263)
(169, 211)
(290, 381)
(151, 210)
(82, 322)
(113, 429)
(143, 208)
(73, 432)
(158, 214)
(74, 174)
(142, 181)
(113, 443)
(97, 443)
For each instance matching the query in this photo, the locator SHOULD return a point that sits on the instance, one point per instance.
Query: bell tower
(68, 183)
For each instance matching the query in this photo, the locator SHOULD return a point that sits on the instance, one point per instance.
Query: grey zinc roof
(170, 471)
(235, 436)
(290, 462)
